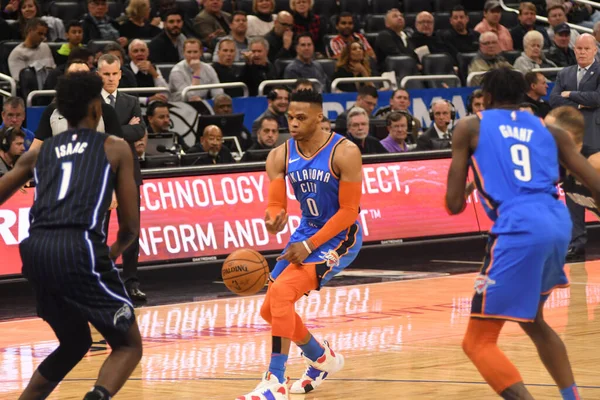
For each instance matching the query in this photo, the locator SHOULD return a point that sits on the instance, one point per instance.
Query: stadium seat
(189, 8)
(5, 48)
(245, 6)
(442, 20)
(165, 70)
(403, 66)
(328, 65)
(416, 6)
(228, 6)
(464, 60)
(375, 23)
(439, 64)
(282, 5)
(356, 7)
(54, 46)
(28, 83)
(325, 7)
(327, 38)
(509, 19)
(371, 37)
(382, 6)
(98, 45)
(445, 5)
(115, 9)
(409, 20)
(475, 17)
(67, 11)
(512, 55)
(281, 64)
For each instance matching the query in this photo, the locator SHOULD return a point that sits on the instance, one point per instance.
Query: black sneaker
(135, 293)
(575, 255)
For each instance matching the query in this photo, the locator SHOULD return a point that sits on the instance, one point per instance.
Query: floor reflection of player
(325, 172)
(515, 160)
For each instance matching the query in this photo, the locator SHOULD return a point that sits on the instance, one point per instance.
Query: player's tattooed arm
(17, 177)
(574, 162)
(457, 189)
(276, 216)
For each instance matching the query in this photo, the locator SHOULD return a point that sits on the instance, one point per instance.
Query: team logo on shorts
(482, 282)
(123, 312)
(331, 258)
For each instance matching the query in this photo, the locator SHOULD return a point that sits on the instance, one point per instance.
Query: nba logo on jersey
(482, 282)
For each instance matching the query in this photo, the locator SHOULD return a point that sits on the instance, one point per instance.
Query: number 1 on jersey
(65, 180)
(520, 157)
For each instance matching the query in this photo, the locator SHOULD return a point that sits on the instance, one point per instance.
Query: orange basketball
(245, 272)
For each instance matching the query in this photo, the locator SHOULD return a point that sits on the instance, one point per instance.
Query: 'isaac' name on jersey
(305, 179)
(69, 149)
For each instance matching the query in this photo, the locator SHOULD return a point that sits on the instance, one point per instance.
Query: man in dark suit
(393, 41)
(438, 136)
(130, 117)
(579, 86)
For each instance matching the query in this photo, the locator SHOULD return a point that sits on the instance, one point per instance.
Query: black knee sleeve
(62, 360)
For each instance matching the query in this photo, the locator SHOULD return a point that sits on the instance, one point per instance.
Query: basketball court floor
(401, 339)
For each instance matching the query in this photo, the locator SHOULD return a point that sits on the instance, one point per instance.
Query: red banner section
(203, 217)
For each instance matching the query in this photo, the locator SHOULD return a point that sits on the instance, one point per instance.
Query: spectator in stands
(393, 41)
(326, 125)
(97, 25)
(212, 23)
(211, 142)
(476, 102)
(263, 19)
(353, 63)
(581, 14)
(239, 27)
(306, 21)
(304, 66)
(159, 121)
(538, 88)
(30, 9)
(438, 136)
(366, 99)
(224, 68)
(140, 148)
(560, 52)
(305, 84)
(492, 12)
(223, 104)
(488, 57)
(167, 47)
(344, 24)
(191, 71)
(281, 37)
(527, 14)
(138, 23)
(557, 16)
(425, 35)
(74, 34)
(257, 68)
(10, 9)
(532, 57)
(400, 101)
(127, 77)
(14, 140)
(278, 101)
(13, 116)
(358, 132)
(146, 74)
(460, 38)
(397, 126)
(33, 52)
(78, 53)
(597, 37)
(266, 136)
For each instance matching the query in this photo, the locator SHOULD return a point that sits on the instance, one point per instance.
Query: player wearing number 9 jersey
(325, 173)
(65, 257)
(515, 161)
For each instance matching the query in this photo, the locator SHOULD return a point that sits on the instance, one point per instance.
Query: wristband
(195, 77)
(306, 246)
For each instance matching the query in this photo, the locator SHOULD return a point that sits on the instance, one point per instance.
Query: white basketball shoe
(268, 389)
(317, 371)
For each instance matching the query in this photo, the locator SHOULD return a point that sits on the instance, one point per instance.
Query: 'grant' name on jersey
(309, 174)
(69, 149)
(515, 132)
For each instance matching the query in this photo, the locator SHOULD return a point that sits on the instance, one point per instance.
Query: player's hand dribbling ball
(245, 272)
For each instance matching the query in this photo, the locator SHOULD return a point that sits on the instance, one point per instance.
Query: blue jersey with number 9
(515, 156)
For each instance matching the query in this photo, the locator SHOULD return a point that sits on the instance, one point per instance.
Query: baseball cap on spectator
(491, 5)
(562, 28)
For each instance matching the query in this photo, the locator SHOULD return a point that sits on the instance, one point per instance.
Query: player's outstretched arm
(14, 179)
(347, 162)
(573, 161)
(276, 215)
(129, 221)
(457, 174)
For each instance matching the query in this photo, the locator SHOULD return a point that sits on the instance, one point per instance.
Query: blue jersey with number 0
(515, 156)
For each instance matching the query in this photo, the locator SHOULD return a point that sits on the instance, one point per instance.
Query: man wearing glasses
(488, 57)
(425, 35)
(281, 37)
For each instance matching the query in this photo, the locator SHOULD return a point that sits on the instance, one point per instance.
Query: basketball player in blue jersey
(325, 172)
(515, 161)
(65, 257)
